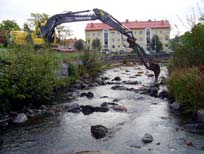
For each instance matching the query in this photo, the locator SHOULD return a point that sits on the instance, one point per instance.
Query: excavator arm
(98, 14)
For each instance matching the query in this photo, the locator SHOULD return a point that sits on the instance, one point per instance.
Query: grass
(68, 56)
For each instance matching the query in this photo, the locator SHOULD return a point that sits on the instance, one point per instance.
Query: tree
(188, 49)
(9, 25)
(96, 44)
(63, 32)
(156, 44)
(26, 28)
(79, 45)
(35, 18)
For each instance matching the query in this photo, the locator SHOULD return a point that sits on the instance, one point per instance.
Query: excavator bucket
(156, 69)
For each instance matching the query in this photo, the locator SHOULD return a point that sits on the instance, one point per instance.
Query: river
(69, 133)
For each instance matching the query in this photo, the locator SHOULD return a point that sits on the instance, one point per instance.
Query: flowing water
(69, 133)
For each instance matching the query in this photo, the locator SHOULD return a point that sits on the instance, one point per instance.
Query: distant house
(114, 41)
(67, 45)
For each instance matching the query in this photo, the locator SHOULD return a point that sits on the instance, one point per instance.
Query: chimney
(126, 21)
(92, 24)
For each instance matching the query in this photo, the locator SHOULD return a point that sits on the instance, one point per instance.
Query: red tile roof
(130, 24)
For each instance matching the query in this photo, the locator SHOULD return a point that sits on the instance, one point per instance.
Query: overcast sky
(176, 11)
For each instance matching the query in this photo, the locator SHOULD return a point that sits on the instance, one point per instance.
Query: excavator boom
(98, 14)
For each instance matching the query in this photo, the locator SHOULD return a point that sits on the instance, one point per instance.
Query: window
(148, 39)
(93, 34)
(113, 46)
(113, 40)
(141, 32)
(105, 37)
(140, 39)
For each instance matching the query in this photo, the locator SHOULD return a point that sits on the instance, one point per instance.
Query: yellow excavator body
(36, 38)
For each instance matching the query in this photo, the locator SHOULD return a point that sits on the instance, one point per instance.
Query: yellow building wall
(117, 41)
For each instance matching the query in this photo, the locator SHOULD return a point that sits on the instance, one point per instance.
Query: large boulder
(88, 95)
(153, 91)
(20, 118)
(74, 107)
(117, 78)
(147, 138)
(101, 109)
(88, 109)
(99, 131)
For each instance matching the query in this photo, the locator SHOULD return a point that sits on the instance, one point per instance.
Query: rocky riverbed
(121, 112)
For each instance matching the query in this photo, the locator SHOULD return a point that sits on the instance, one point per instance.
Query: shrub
(92, 64)
(188, 49)
(187, 86)
(27, 77)
(73, 71)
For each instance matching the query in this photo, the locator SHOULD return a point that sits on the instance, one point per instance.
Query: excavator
(48, 31)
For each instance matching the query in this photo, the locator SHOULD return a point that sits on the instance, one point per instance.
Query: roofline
(129, 28)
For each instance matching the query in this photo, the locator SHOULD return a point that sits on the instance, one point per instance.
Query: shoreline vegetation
(31, 78)
(186, 70)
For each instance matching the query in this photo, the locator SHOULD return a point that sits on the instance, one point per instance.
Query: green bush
(187, 86)
(92, 64)
(186, 79)
(26, 77)
(73, 71)
(188, 49)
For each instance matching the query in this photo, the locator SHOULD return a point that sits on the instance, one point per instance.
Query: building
(142, 30)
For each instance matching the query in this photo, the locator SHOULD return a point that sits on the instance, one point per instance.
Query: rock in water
(99, 131)
(87, 109)
(75, 108)
(20, 118)
(90, 95)
(117, 78)
(147, 138)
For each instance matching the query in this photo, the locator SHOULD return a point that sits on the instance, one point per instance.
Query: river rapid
(69, 133)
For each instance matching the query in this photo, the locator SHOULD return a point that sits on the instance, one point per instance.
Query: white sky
(176, 11)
